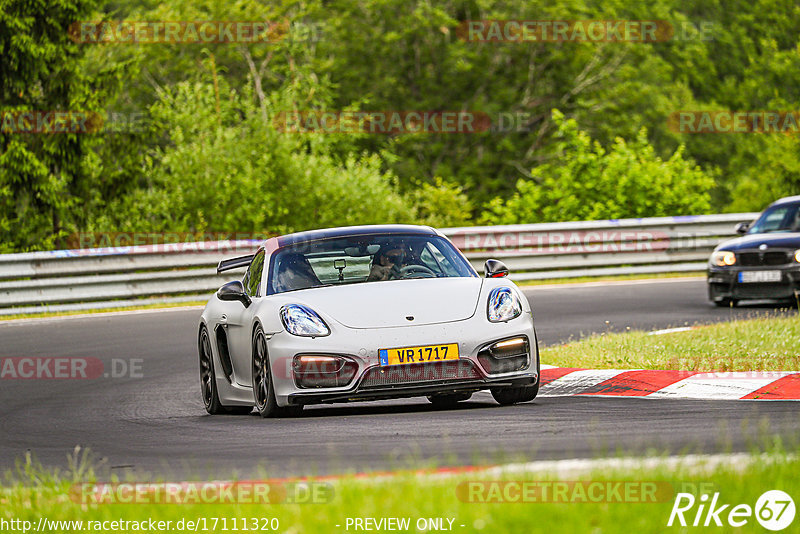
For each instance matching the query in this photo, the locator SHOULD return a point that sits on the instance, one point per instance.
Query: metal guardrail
(121, 276)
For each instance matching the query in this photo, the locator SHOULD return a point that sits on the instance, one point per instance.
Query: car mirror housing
(234, 291)
(742, 227)
(495, 269)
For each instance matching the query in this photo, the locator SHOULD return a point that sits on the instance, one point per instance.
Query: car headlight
(723, 258)
(504, 305)
(302, 321)
(797, 256)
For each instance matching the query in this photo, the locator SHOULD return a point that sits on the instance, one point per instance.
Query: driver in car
(387, 263)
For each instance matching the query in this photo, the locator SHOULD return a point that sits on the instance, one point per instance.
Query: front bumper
(411, 390)
(724, 284)
(372, 382)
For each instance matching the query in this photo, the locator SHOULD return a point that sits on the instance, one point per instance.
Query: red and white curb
(750, 385)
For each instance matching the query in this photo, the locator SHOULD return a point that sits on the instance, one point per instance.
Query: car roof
(344, 231)
(786, 200)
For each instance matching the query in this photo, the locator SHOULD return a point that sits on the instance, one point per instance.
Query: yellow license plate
(421, 354)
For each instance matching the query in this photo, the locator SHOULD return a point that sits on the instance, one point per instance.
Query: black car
(762, 264)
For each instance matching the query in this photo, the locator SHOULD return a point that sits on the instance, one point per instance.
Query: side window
(252, 279)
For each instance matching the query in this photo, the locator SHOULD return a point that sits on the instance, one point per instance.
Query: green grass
(37, 493)
(763, 344)
(614, 278)
(155, 306)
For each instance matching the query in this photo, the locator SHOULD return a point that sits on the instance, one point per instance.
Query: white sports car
(363, 313)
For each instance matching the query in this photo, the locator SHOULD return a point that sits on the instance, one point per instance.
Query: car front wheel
(263, 388)
(515, 395)
(507, 396)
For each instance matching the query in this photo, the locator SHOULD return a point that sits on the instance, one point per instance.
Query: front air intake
(505, 356)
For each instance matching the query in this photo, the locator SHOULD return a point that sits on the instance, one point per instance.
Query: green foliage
(229, 170)
(42, 184)
(771, 170)
(227, 167)
(440, 204)
(588, 182)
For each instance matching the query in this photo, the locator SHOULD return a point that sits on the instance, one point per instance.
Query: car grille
(768, 290)
(419, 373)
(755, 259)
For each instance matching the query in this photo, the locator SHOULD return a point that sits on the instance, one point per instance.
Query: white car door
(237, 320)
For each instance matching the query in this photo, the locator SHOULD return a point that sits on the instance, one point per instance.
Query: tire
(726, 303)
(263, 388)
(508, 396)
(208, 380)
(448, 400)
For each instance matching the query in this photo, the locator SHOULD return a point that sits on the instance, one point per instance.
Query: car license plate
(421, 354)
(759, 276)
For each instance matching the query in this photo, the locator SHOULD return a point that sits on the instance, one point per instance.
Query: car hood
(390, 303)
(774, 240)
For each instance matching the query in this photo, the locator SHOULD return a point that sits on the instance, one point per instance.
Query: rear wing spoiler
(234, 263)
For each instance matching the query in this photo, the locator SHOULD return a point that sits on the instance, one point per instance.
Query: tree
(587, 182)
(42, 181)
(227, 168)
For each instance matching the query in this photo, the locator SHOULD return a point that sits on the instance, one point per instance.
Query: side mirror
(234, 291)
(495, 269)
(742, 227)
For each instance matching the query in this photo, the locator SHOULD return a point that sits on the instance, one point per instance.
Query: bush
(225, 168)
(587, 182)
(440, 204)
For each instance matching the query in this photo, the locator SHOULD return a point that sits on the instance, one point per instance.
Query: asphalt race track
(153, 425)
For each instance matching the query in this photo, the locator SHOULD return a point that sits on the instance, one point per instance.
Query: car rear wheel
(450, 399)
(208, 380)
(263, 388)
(726, 303)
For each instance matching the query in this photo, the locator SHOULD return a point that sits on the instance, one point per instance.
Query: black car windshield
(364, 258)
(782, 218)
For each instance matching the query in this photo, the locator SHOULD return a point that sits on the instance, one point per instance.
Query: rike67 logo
(774, 510)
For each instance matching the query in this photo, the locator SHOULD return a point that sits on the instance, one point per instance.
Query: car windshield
(783, 218)
(364, 258)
